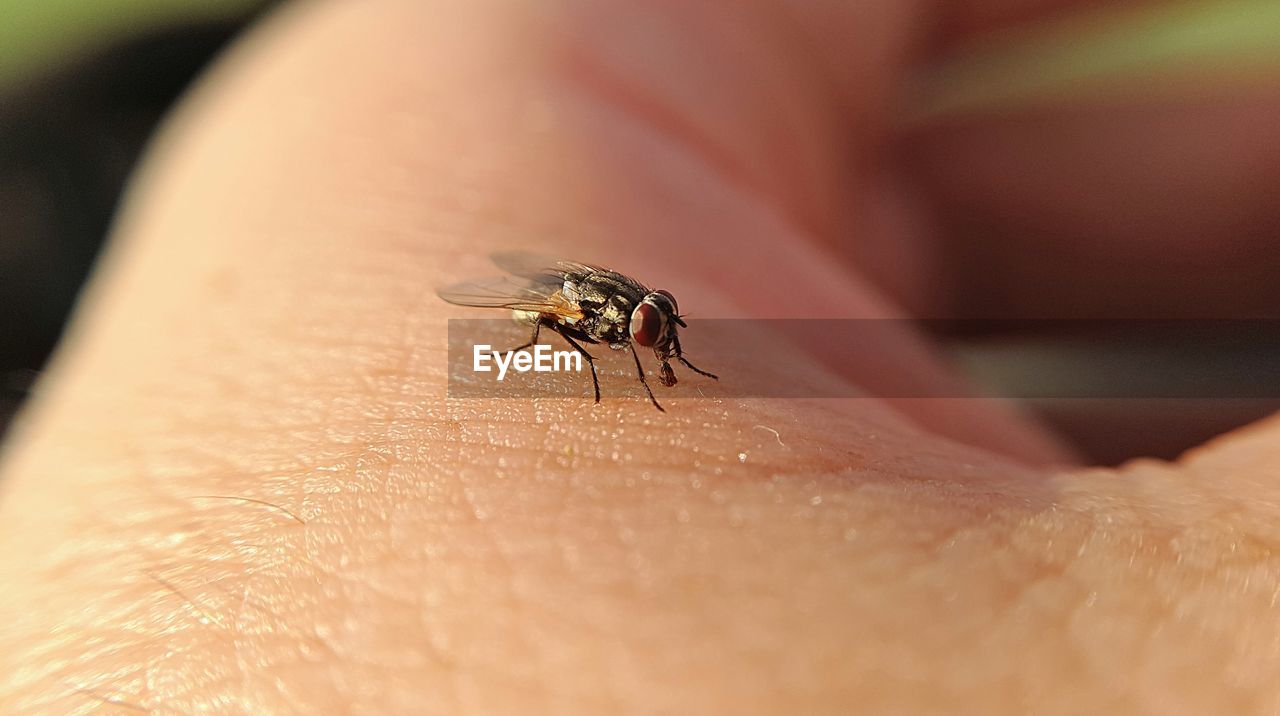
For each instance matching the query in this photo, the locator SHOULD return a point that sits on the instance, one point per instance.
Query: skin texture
(242, 490)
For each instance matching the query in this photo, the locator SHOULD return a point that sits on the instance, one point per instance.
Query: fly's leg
(643, 380)
(696, 369)
(668, 375)
(591, 361)
(533, 341)
(680, 357)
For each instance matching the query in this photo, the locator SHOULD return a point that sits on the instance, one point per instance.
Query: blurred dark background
(72, 126)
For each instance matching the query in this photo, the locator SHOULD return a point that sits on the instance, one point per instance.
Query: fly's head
(654, 323)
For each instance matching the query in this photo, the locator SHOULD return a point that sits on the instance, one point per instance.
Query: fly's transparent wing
(531, 295)
(495, 292)
(539, 267)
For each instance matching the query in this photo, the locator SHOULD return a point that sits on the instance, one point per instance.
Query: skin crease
(264, 329)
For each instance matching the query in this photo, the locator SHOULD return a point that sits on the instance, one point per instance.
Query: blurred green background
(35, 35)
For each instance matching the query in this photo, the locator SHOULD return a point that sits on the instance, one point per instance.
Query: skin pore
(240, 487)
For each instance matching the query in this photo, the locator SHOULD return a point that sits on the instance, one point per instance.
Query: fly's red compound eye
(646, 324)
(675, 308)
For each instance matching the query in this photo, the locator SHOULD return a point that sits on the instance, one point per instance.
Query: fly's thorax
(615, 312)
(609, 320)
(570, 291)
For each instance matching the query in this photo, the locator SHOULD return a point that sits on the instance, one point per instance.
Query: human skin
(240, 487)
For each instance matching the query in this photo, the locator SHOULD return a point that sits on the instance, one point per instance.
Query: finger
(1139, 186)
(1151, 211)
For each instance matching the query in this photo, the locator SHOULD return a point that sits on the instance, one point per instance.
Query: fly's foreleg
(668, 376)
(591, 361)
(644, 381)
(680, 357)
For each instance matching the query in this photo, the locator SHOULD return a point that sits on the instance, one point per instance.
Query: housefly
(583, 304)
